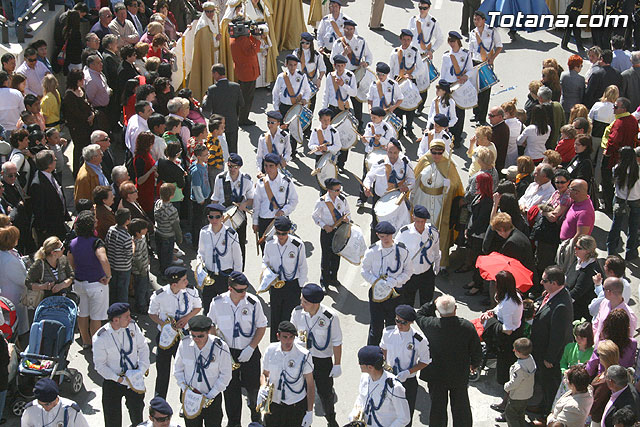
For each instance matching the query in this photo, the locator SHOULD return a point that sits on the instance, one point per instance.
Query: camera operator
(244, 50)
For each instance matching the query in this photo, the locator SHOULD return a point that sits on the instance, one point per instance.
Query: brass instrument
(174, 324)
(359, 420)
(208, 281)
(234, 363)
(387, 367)
(265, 407)
(302, 336)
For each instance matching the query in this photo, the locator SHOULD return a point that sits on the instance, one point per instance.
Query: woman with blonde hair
(578, 110)
(153, 28)
(482, 138)
(579, 277)
(524, 177)
(551, 79)
(51, 271)
(532, 98)
(601, 116)
(51, 102)
(515, 128)
(552, 63)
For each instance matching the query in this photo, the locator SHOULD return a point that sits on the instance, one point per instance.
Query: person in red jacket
(244, 50)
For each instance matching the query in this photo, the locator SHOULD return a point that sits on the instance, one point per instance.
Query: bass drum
(298, 118)
(424, 81)
(465, 95)
(364, 77)
(395, 122)
(411, 95)
(390, 208)
(234, 217)
(348, 242)
(373, 158)
(346, 125)
(326, 169)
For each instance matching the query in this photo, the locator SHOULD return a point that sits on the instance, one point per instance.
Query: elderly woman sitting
(90, 174)
(50, 271)
(573, 407)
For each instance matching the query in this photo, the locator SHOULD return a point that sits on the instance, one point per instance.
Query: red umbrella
(490, 265)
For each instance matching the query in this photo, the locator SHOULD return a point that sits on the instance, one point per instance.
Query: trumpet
(234, 363)
(302, 335)
(359, 419)
(265, 407)
(208, 281)
(387, 367)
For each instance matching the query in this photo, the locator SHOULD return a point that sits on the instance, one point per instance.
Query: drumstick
(257, 243)
(264, 236)
(403, 198)
(339, 221)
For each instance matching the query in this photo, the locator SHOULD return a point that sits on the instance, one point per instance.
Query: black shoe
(497, 407)
(247, 123)
(411, 135)
(501, 419)
(470, 292)
(443, 272)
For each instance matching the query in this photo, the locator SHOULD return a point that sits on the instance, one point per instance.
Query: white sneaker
(177, 252)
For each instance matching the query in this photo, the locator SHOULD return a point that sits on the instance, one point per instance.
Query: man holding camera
(244, 50)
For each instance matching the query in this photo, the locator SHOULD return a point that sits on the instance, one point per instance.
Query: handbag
(62, 55)
(33, 297)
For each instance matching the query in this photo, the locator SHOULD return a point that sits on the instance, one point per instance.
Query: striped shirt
(119, 248)
(216, 158)
(166, 217)
(140, 264)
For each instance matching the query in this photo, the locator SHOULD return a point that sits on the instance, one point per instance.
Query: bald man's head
(579, 190)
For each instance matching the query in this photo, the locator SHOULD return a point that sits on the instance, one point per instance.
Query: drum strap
(455, 65)
(303, 66)
(430, 137)
(424, 44)
(438, 103)
(482, 49)
(335, 213)
(393, 180)
(383, 100)
(289, 91)
(402, 64)
(342, 105)
(352, 59)
(336, 29)
(272, 199)
(320, 134)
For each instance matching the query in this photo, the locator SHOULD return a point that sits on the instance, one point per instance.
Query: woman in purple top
(615, 328)
(88, 257)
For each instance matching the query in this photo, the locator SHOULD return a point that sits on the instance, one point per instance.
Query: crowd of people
(564, 339)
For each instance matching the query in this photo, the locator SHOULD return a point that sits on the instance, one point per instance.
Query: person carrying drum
(456, 64)
(121, 357)
(443, 104)
(422, 240)
(235, 189)
(174, 304)
(427, 37)
(160, 414)
(384, 92)
(319, 331)
(330, 212)
(286, 257)
(291, 88)
(241, 323)
(387, 267)
(274, 140)
(219, 253)
(324, 139)
(406, 350)
(203, 371)
(311, 64)
(48, 409)
(330, 29)
(439, 131)
(393, 172)
(485, 45)
(274, 196)
(381, 397)
(406, 64)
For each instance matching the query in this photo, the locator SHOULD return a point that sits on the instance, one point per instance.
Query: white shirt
(323, 330)
(465, 63)
(509, 313)
(321, 214)
(490, 39)
(431, 33)
(379, 261)
(36, 416)
(135, 126)
(405, 349)
(594, 305)
(348, 89)
(220, 251)
(515, 129)
(280, 145)
(393, 410)
(34, 77)
(384, 129)
(326, 35)
(165, 303)
(330, 136)
(242, 186)
(284, 193)
(247, 315)
(602, 112)
(447, 110)
(299, 84)
(361, 52)
(427, 242)
(376, 178)
(535, 143)
(216, 361)
(630, 194)
(10, 108)
(536, 194)
(423, 148)
(289, 261)
(311, 68)
(108, 345)
(390, 91)
(158, 147)
(289, 367)
(412, 61)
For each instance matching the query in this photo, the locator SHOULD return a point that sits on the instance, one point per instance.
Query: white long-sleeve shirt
(348, 89)
(284, 193)
(400, 347)
(330, 136)
(321, 214)
(279, 144)
(288, 260)
(535, 143)
(359, 47)
(376, 178)
(391, 93)
(379, 261)
(394, 409)
(109, 343)
(427, 243)
(325, 327)
(220, 251)
(447, 110)
(299, 84)
(431, 33)
(216, 359)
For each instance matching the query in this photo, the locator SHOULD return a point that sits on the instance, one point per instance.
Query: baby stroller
(51, 336)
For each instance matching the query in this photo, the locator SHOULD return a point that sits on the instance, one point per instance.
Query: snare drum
(348, 242)
(364, 77)
(313, 87)
(390, 208)
(394, 121)
(346, 124)
(234, 217)
(298, 118)
(486, 77)
(429, 77)
(411, 95)
(326, 168)
(465, 95)
(374, 157)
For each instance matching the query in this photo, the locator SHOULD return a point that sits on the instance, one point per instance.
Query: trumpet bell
(279, 284)
(302, 335)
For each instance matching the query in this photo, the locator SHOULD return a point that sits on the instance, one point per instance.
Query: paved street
(516, 66)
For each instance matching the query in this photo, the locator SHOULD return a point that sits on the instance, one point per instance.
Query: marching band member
(241, 322)
(330, 211)
(439, 131)
(275, 140)
(485, 45)
(285, 255)
(274, 196)
(422, 240)
(288, 368)
(407, 351)
(320, 327)
(219, 252)
(235, 188)
(438, 183)
(120, 353)
(384, 92)
(176, 304)
(160, 414)
(341, 86)
(327, 134)
(456, 63)
(48, 409)
(443, 104)
(329, 30)
(386, 265)
(391, 173)
(311, 64)
(405, 62)
(356, 50)
(381, 397)
(203, 366)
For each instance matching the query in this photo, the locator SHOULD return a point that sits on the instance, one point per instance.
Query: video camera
(240, 27)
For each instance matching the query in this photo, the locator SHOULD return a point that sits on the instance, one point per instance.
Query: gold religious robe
(203, 59)
(289, 23)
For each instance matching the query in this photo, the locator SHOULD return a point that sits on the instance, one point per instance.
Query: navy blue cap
(216, 207)
(455, 34)
(235, 159)
(406, 312)
(325, 112)
(286, 326)
(330, 182)
(313, 293)
(272, 158)
(378, 111)
(480, 14)
(175, 273)
(200, 323)
(117, 309)
(395, 142)
(340, 59)
(421, 212)
(370, 355)
(158, 404)
(275, 114)
(291, 57)
(282, 223)
(46, 390)
(238, 278)
(306, 36)
(406, 32)
(383, 67)
(425, 2)
(441, 120)
(385, 227)
(444, 85)
(349, 22)
(339, 2)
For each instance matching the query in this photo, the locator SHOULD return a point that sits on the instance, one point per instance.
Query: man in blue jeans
(119, 245)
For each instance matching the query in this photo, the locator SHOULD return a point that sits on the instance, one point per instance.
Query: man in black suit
(601, 77)
(127, 70)
(48, 201)
(110, 65)
(550, 332)
(623, 394)
(455, 348)
(20, 210)
(224, 98)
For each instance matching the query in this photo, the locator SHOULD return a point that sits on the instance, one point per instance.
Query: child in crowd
(173, 127)
(140, 264)
(167, 229)
(482, 138)
(200, 190)
(580, 351)
(520, 384)
(215, 146)
(119, 245)
(565, 145)
(440, 130)
(198, 137)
